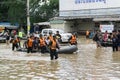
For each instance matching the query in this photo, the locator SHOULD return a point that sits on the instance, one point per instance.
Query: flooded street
(89, 63)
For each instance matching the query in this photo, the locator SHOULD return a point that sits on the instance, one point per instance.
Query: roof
(106, 19)
(43, 23)
(94, 17)
(9, 26)
(57, 21)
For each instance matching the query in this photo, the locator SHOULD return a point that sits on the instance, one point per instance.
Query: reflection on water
(89, 63)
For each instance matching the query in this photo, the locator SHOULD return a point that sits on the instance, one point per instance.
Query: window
(45, 32)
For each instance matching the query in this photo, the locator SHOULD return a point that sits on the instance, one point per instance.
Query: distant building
(8, 25)
(82, 15)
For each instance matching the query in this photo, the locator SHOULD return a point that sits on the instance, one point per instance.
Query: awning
(9, 26)
(71, 17)
(42, 23)
(106, 19)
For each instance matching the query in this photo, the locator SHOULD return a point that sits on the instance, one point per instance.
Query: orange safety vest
(15, 41)
(50, 38)
(18, 40)
(87, 33)
(42, 42)
(73, 39)
(30, 42)
(54, 43)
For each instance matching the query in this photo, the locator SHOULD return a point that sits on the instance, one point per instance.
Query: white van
(64, 36)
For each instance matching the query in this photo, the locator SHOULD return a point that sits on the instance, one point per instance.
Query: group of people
(113, 37)
(47, 43)
(36, 42)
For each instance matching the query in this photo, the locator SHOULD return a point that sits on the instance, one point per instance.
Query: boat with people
(67, 49)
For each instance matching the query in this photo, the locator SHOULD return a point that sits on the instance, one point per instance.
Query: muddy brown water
(88, 63)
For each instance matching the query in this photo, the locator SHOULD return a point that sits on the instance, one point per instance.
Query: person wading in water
(53, 46)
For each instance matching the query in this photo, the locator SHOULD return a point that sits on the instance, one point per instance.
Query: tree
(44, 10)
(40, 10)
(13, 11)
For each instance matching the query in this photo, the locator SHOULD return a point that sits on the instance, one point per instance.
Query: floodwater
(88, 63)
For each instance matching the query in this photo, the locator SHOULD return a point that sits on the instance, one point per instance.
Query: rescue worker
(50, 37)
(42, 44)
(73, 39)
(58, 36)
(53, 46)
(35, 43)
(15, 43)
(87, 34)
(30, 44)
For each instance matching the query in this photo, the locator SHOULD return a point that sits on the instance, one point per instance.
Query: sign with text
(88, 4)
(88, 7)
(108, 28)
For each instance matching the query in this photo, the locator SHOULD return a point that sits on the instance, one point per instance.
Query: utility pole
(28, 18)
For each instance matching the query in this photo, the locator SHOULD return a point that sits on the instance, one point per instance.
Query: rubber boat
(63, 49)
(106, 44)
(67, 49)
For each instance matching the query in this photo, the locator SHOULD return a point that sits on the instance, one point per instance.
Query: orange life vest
(42, 42)
(73, 39)
(87, 33)
(30, 42)
(15, 41)
(50, 38)
(54, 43)
(18, 40)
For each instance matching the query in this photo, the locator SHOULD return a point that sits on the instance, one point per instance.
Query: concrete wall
(86, 26)
(74, 26)
(70, 26)
(57, 26)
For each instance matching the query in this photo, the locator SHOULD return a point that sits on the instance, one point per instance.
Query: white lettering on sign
(89, 1)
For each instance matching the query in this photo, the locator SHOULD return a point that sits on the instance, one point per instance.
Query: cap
(54, 36)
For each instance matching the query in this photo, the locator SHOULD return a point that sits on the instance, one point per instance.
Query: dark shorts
(118, 44)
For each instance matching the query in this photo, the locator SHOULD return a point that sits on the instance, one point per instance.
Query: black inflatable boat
(63, 49)
(67, 49)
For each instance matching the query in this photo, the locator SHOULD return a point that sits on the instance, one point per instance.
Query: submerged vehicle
(2, 37)
(106, 44)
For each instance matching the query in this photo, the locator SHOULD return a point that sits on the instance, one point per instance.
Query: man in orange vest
(73, 39)
(15, 43)
(53, 46)
(50, 37)
(87, 34)
(30, 44)
(42, 44)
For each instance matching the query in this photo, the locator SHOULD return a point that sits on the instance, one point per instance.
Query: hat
(40, 35)
(50, 32)
(54, 36)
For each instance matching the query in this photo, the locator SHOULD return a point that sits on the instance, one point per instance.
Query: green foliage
(40, 10)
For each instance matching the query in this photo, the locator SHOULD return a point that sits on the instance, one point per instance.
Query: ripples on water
(89, 63)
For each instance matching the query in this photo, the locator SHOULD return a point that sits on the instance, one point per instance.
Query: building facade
(82, 15)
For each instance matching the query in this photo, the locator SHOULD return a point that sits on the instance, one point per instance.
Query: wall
(89, 7)
(57, 26)
(80, 27)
